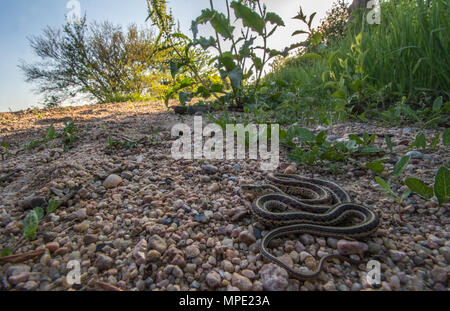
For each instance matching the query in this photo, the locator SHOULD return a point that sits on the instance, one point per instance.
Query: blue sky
(20, 19)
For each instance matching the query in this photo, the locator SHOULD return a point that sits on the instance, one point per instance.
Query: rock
(77, 215)
(192, 251)
(126, 175)
(89, 239)
(241, 282)
(356, 287)
(307, 239)
(13, 228)
(139, 252)
(179, 260)
(310, 263)
(17, 269)
(31, 285)
(52, 247)
(396, 255)
(177, 272)
(157, 243)
(104, 262)
(345, 247)
(415, 154)
(291, 169)
(439, 274)
(287, 260)
(112, 181)
(247, 237)
(19, 278)
(330, 286)
(201, 218)
(214, 188)
(445, 251)
(32, 202)
(213, 279)
(332, 242)
(274, 278)
(153, 255)
(210, 169)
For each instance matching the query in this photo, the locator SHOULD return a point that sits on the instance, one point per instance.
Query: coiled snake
(311, 206)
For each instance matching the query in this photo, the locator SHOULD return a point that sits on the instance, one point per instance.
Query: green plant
(441, 188)
(236, 65)
(32, 219)
(399, 168)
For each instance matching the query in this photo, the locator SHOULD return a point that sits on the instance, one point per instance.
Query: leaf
(446, 137)
(274, 19)
(435, 140)
(236, 76)
(226, 59)
(375, 166)
(7, 251)
(420, 142)
(383, 184)
(442, 185)
(305, 135)
(389, 143)
(401, 165)
(437, 104)
(194, 28)
(249, 17)
(52, 206)
(206, 43)
(39, 212)
(31, 223)
(219, 22)
(173, 68)
(51, 132)
(184, 97)
(299, 32)
(416, 185)
(356, 138)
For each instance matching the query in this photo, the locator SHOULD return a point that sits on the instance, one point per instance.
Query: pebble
(345, 247)
(397, 255)
(192, 251)
(247, 237)
(139, 252)
(157, 243)
(214, 188)
(274, 278)
(210, 169)
(104, 262)
(32, 202)
(241, 282)
(213, 279)
(439, 274)
(153, 255)
(415, 154)
(112, 181)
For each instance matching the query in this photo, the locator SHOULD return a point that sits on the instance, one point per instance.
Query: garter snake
(312, 206)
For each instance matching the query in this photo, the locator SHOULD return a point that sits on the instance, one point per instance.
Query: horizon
(20, 20)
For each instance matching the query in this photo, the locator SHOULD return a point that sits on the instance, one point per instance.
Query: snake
(308, 205)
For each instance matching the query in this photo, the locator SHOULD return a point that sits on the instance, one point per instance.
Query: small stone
(77, 215)
(210, 169)
(307, 239)
(192, 251)
(310, 263)
(274, 278)
(139, 252)
(179, 260)
(356, 287)
(351, 247)
(104, 262)
(241, 282)
(89, 239)
(247, 237)
(52, 247)
(157, 243)
(214, 188)
(415, 155)
(153, 255)
(31, 285)
(291, 169)
(112, 181)
(19, 278)
(32, 202)
(330, 286)
(332, 242)
(213, 279)
(396, 255)
(439, 274)
(287, 260)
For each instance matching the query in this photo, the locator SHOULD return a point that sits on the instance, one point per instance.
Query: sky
(21, 19)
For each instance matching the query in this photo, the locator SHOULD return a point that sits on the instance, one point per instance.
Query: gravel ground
(143, 221)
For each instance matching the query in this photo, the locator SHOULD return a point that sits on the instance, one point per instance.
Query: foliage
(316, 149)
(32, 219)
(244, 61)
(333, 27)
(68, 135)
(100, 60)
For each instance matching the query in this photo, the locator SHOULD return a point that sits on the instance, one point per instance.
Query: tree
(99, 60)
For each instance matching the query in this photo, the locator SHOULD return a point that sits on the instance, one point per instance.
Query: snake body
(313, 206)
